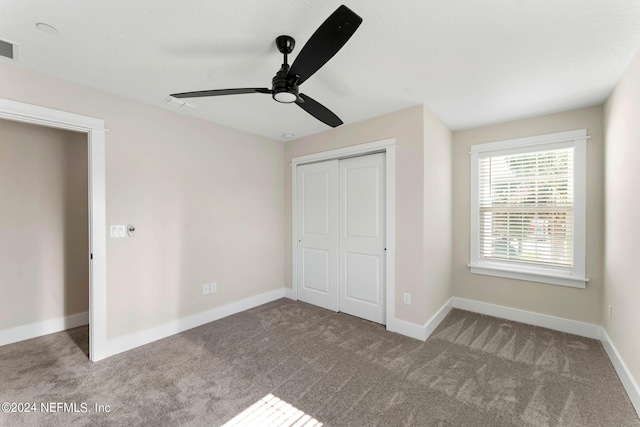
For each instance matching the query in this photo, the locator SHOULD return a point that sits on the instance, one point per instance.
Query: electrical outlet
(407, 298)
(205, 289)
(609, 311)
(213, 288)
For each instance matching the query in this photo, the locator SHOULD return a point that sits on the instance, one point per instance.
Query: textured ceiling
(472, 62)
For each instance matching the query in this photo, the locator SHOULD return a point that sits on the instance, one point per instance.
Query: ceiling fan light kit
(286, 97)
(328, 39)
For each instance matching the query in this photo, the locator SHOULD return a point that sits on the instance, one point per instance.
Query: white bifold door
(341, 236)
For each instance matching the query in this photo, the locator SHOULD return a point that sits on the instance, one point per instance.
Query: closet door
(362, 237)
(318, 234)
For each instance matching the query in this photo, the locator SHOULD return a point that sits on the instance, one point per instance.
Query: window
(528, 208)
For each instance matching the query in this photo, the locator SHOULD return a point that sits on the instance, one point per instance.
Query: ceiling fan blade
(218, 92)
(318, 110)
(324, 43)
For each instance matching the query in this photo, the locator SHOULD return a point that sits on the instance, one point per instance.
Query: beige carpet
(289, 363)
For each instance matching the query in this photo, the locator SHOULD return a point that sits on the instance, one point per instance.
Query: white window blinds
(526, 208)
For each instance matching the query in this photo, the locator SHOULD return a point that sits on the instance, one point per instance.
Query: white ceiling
(472, 62)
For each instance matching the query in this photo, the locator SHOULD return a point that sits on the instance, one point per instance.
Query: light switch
(117, 231)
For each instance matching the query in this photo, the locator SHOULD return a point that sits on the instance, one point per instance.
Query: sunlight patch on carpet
(272, 411)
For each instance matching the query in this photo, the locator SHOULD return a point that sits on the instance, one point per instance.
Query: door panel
(316, 266)
(362, 213)
(361, 209)
(361, 278)
(316, 185)
(318, 234)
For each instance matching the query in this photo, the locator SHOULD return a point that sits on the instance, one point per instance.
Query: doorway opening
(44, 231)
(94, 132)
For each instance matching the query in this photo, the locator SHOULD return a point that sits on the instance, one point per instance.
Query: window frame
(574, 276)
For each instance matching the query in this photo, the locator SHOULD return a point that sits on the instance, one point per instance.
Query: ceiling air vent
(7, 49)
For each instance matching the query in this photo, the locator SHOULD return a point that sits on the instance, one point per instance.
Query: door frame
(387, 146)
(96, 137)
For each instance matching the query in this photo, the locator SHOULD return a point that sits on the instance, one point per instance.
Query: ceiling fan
(321, 47)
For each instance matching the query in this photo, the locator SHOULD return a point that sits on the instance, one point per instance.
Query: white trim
(573, 277)
(33, 330)
(390, 215)
(290, 293)
(551, 278)
(580, 208)
(128, 342)
(98, 247)
(418, 332)
(575, 327)
(33, 114)
(550, 138)
(388, 146)
(294, 232)
(629, 383)
(352, 150)
(408, 329)
(437, 318)
(28, 113)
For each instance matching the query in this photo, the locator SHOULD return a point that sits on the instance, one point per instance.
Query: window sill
(531, 275)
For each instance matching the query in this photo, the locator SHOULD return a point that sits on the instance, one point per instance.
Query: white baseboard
(629, 383)
(419, 332)
(407, 329)
(128, 342)
(437, 318)
(575, 327)
(33, 330)
(288, 293)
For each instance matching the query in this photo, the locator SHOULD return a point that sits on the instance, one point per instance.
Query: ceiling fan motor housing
(283, 90)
